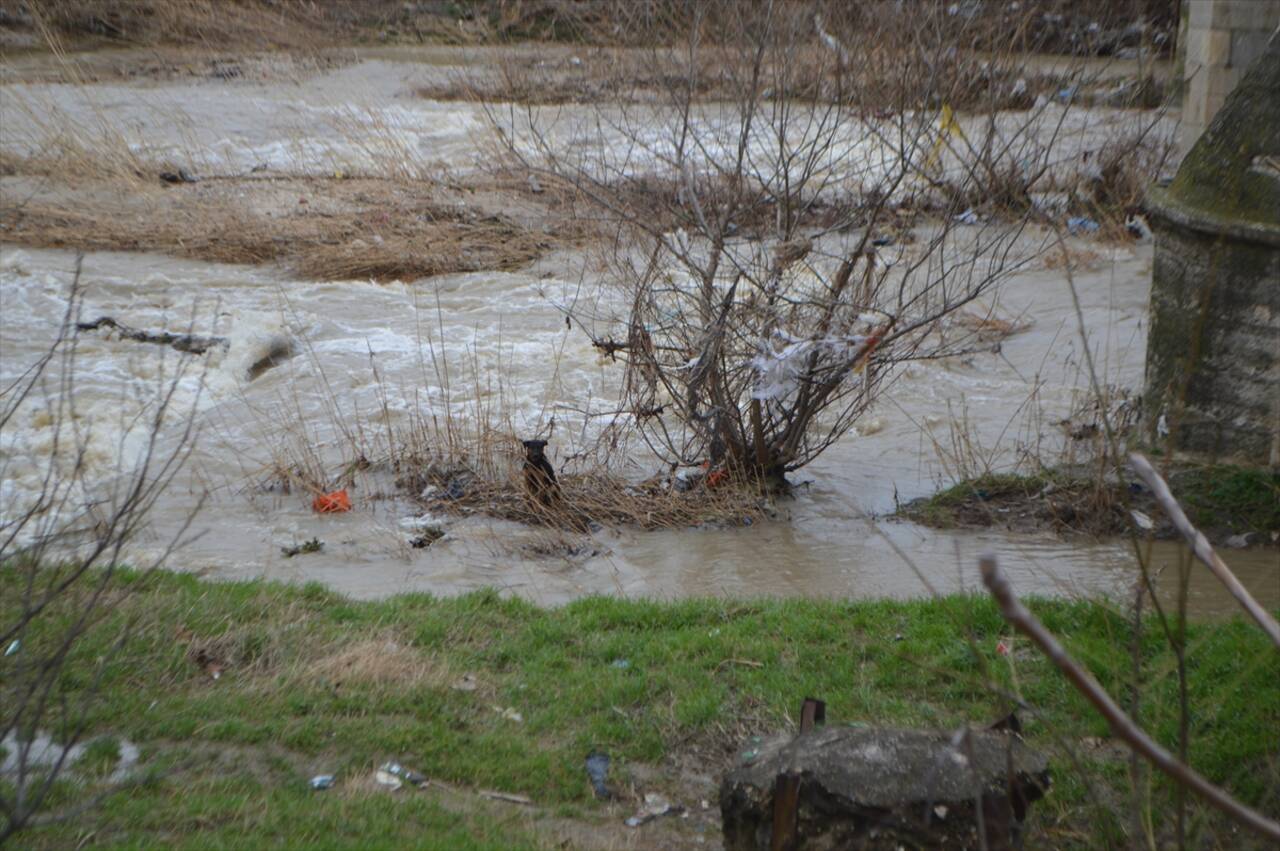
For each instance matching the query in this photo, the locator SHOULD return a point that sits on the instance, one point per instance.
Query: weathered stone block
(1245, 14)
(1201, 12)
(1247, 46)
(869, 788)
(1207, 47)
(1215, 342)
(1213, 352)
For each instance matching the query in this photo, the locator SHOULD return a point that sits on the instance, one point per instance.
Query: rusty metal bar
(812, 712)
(786, 812)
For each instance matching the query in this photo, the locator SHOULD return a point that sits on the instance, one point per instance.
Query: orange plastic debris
(327, 503)
(715, 477)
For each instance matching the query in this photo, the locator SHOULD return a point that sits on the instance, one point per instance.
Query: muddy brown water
(364, 357)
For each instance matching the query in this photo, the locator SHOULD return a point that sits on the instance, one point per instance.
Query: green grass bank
(311, 682)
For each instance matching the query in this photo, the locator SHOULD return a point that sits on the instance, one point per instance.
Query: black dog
(539, 477)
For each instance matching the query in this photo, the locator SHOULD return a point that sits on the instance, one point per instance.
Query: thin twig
(1121, 725)
(1200, 546)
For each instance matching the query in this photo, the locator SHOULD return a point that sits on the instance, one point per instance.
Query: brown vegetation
(326, 229)
(586, 499)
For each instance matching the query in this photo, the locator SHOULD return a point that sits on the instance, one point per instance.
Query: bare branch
(1122, 726)
(1200, 546)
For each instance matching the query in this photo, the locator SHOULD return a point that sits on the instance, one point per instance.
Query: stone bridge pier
(1213, 352)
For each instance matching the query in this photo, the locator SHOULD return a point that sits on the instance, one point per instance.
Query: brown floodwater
(368, 356)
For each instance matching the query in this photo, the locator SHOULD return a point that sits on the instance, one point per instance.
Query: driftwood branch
(1122, 726)
(196, 344)
(1200, 546)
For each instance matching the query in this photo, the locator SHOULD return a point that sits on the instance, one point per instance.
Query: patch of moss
(1225, 496)
(949, 507)
(1220, 499)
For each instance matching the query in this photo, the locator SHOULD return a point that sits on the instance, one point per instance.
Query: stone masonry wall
(1223, 38)
(1216, 306)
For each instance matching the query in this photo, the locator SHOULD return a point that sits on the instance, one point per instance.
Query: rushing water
(369, 355)
(506, 326)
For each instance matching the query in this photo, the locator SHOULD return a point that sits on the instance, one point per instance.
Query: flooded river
(363, 357)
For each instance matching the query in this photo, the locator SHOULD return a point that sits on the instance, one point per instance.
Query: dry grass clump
(555, 77)
(322, 229)
(587, 500)
(657, 75)
(284, 23)
(378, 661)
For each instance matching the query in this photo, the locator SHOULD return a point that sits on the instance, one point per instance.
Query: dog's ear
(534, 445)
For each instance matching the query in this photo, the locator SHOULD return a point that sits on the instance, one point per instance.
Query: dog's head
(533, 448)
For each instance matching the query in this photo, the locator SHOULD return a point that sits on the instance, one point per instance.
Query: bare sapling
(794, 214)
(64, 539)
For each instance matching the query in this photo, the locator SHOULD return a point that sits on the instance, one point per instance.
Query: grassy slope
(317, 682)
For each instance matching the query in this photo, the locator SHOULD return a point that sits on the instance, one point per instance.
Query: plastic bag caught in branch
(784, 360)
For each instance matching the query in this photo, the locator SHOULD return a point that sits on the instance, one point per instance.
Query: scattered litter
(1162, 426)
(509, 797)
(686, 479)
(455, 489)
(1002, 648)
(387, 779)
(882, 241)
(510, 714)
(315, 545)
(1138, 228)
(179, 176)
(1238, 542)
(940, 811)
(753, 751)
(321, 782)
(598, 774)
(14, 647)
(784, 358)
(399, 772)
(426, 537)
(1067, 93)
(1144, 522)
(534, 185)
(704, 804)
(331, 503)
(1081, 224)
(655, 806)
(968, 217)
(620, 664)
(467, 682)
(207, 662)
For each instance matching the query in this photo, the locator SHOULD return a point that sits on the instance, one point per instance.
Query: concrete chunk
(886, 788)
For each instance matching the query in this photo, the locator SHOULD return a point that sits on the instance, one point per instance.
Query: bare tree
(765, 177)
(63, 544)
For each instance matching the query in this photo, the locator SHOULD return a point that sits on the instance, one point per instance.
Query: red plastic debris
(329, 503)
